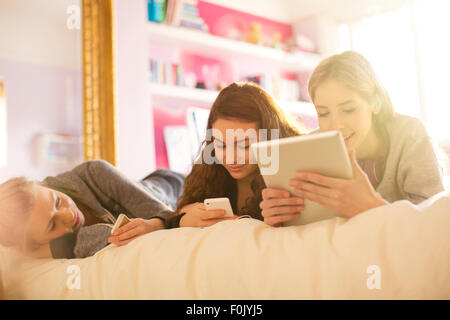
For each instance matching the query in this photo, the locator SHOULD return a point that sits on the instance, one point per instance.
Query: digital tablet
(323, 152)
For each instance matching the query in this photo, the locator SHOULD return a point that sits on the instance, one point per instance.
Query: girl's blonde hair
(354, 71)
(17, 198)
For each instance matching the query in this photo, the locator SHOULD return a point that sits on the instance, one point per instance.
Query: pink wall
(38, 101)
(221, 19)
(135, 146)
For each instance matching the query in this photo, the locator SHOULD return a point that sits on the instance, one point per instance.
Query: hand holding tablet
(280, 160)
(347, 197)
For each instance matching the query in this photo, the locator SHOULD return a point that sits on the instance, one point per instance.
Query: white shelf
(183, 93)
(204, 43)
(208, 97)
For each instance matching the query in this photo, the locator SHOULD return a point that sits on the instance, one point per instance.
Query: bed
(399, 251)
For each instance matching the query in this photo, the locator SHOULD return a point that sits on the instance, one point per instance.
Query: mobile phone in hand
(121, 221)
(219, 204)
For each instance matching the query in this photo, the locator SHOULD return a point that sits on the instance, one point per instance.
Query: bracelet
(174, 222)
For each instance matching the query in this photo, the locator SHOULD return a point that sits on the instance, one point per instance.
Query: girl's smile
(235, 168)
(348, 138)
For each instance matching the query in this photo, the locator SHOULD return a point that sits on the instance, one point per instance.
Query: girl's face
(229, 137)
(339, 108)
(53, 215)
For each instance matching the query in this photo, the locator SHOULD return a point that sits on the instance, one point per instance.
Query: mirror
(41, 72)
(56, 85)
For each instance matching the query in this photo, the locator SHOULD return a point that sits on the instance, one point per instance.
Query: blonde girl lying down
(70, 215)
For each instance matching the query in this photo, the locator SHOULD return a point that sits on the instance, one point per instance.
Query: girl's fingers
(269, 193)
(122, 243)
(318, 179)
(320, 190)
(213, 214)
(138, 230)
(288, 210)
(130, 225)
(291, 201)
(323, 200)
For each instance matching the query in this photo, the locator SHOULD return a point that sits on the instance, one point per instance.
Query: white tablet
(324, 153)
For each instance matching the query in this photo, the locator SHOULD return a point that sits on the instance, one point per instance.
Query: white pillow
(403, 248)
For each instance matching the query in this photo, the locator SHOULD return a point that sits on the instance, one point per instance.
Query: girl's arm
(345, 197)
(420, 170)
(196, 215)
(119, 194)
(82, 243)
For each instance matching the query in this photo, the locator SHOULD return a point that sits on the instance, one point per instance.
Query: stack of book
(184, 13)
(165, 72)
(278, 87)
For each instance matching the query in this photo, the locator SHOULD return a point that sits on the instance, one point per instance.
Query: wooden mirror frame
(98, 80)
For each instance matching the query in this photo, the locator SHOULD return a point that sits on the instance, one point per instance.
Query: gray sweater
(105, 193)
(412, 168)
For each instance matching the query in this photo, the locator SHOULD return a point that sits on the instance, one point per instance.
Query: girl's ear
(376, 110)
(376, 104)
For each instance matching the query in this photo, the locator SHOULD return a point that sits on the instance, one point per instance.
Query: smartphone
(121, 221)
(219, 204)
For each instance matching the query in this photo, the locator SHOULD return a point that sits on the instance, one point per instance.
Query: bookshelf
(183, 93)
(177, 50)
(202, 43)
(208, 97)
(226, 49)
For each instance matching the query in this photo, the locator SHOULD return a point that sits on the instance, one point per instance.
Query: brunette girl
(239, 108)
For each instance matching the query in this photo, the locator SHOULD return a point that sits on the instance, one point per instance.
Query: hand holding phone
(121, 221)
(219, 204)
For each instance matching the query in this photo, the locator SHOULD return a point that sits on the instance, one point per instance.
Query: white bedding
(247, 259)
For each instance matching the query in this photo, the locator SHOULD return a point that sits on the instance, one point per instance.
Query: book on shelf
(176, 14)
(156, 10)
(278, 87)
(169, 11)
(193, 25)
(165, 72)
(190, 10)
(184, 13)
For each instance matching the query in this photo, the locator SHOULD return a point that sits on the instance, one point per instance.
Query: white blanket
(393, 252)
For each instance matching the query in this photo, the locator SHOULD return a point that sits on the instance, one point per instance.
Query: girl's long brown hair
(246, 102)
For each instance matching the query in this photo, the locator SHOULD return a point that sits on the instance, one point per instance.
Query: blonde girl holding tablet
(392, 155)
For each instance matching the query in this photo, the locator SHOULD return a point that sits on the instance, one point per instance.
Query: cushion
(398, 251)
